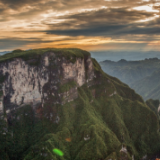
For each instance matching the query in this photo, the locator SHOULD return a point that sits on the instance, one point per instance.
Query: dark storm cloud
(64, 4)
(110, 15)
(111, 31)
(19, 3)
(105, 22)
(136, 30)
(92, 31)
(40, 6)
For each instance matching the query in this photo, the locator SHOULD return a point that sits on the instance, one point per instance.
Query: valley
(142, 75)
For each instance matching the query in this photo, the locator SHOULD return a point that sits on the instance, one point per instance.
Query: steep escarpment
(36, 84)
(60, 98)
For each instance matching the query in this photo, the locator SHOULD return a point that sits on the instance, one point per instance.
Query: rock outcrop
(28, 84)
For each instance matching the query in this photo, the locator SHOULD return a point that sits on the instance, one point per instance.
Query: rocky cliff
(29, 84)
(61, 98)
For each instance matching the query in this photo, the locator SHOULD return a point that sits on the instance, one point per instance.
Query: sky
(93, 25)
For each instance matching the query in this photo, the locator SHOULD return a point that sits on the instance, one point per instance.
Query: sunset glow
(92, 25)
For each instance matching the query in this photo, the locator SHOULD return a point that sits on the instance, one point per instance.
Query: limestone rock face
(36, 84)
(74, 71)
(23, 84)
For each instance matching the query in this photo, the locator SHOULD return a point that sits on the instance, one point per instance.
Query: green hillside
(154, 106)
(148, 87)
(105, 116)
(143, 76)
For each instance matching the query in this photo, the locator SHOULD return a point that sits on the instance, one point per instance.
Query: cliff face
(27, 84)
(60, 98)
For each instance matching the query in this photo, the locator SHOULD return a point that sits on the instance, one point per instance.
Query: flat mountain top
(36, 53)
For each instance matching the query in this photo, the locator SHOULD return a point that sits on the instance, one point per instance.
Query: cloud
(93, 22)
(104, 22)
(14, 4)
(31, 8)
(11, 43)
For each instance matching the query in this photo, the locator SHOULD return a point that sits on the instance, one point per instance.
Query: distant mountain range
(143, 76)
(4, 52)
(127, 55)
(148, 87)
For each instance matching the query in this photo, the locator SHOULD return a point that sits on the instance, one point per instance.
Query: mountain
(62, 99)
(4, 52)
(148, 87)
(154, 105)
(131, 71)
(142, 76)
(128, 55)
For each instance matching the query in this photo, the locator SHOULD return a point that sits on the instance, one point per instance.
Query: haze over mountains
(127, 55)
(142, 75)
(4, 52)
(148, 87)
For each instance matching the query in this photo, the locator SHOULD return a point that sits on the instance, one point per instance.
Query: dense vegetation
(143, 76)
(67, 86)
(154, 106)
(131, 71)
(148, 87)
(35, 54)
(93, 126)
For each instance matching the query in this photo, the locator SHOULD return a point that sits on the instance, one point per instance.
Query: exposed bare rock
(35, 85)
